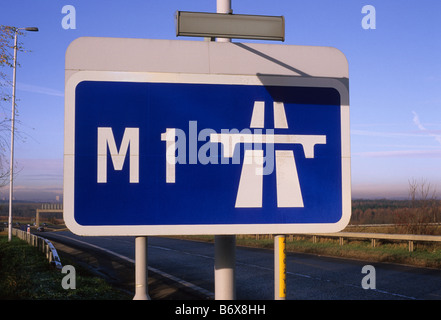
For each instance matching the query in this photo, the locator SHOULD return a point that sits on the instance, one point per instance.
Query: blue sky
(395, 78)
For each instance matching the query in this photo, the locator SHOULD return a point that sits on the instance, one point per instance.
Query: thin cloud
(416, 120)
(400, 154)
(39, 89)
(407, 151)
(384, 134)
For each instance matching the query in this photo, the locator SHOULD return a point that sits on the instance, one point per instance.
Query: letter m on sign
(106, 139)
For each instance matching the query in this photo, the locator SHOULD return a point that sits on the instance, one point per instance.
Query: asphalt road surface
(310, 277)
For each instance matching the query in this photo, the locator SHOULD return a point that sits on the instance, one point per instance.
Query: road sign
(225, 25)
(181, 137)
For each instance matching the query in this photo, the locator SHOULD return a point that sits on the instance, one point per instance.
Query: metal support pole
(11, 164)
(225, 245)
(141, 273)
(223, 6)
(224, 267)
(37, 218)
(279, 267)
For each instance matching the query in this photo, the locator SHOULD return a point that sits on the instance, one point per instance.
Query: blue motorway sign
(183, 158)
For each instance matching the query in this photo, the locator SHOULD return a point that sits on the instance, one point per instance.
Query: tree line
(419, 214)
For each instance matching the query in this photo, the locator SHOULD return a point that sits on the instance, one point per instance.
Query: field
(406, 216)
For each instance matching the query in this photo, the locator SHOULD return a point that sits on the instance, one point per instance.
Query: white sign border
(199, 229)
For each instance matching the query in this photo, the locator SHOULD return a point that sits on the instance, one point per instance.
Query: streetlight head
(31, 29)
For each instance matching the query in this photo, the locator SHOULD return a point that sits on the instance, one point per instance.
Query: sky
(394, 76)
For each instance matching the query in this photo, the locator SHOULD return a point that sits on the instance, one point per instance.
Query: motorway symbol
(250, 189)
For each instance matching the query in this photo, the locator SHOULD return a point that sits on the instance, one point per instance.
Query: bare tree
(424, 209)
(6, 63)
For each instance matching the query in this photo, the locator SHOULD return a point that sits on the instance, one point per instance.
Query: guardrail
(42, 244)
(410, 238)
(373, 237)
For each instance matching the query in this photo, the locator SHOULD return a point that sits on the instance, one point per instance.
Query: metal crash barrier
(42, 244)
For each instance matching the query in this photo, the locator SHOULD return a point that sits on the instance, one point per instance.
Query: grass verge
(25, 274)
(424, 254)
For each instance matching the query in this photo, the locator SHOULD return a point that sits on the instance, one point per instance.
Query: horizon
(49, 194)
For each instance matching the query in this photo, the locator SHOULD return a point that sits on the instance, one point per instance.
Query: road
(309, 277)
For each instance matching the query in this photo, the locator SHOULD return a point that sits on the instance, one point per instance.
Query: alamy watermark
(218, 148)
(369, 280)
(369, 20)
(69, 280)
(69, 21)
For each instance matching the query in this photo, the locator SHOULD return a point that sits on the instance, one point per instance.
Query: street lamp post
(11, 164)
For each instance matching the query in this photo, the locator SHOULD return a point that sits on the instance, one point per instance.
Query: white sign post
(225, 245)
